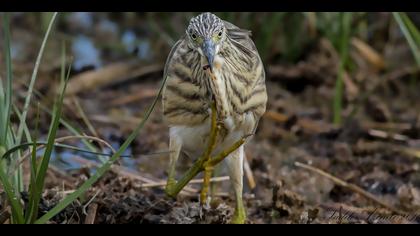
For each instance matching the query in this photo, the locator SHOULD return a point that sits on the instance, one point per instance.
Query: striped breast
(241, 78)
(239, 88)
(185, 98)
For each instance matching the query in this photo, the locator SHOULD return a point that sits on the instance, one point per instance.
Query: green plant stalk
(168, 25)
(40, 144)
(16, 164)
(43, 166)
(87, 123)
(408, 29)
(155, 28)
(71, 128)
(25, 128)
(66, 124)
(293, 37)
(345, 24)
(267, 31)
(6, 139)
(105, 167)
(412, 36)
(45, 19)
(413, 29)
(338, 95)
(6, 94)
(1, 95)
(17, 211)
(32, 185)
(9, 77)
(19, 175)
(33, 79)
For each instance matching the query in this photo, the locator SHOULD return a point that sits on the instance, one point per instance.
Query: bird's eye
(220, 34)
(194, 36)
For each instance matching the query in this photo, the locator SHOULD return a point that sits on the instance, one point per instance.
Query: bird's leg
(211, 163)
(236, 175)
(174, 188)
(214, 186)
(235, 164)
(175, 147)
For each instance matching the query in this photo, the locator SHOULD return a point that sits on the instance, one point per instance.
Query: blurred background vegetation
(362, 42)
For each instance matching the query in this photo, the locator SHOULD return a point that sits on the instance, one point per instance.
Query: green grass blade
(33, 176)
(413, 46)
(1, 93)
(75, 131)
(43, 166)
(3, 129)
(345, 24)
(266, 33)
(33, 79)
(87, 123)
(17, 211)
(412, 28)
(25, 128)
(55, 124)
(105, 167)
(16, 165)
(9, 78)
(72, 128)
(59, 145)
(5, 135)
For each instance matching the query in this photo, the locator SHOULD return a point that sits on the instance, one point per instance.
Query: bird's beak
(209, 49)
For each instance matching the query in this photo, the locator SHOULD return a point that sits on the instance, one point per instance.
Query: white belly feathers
(195, 138)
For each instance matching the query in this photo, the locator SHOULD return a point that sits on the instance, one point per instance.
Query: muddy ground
(370, 163)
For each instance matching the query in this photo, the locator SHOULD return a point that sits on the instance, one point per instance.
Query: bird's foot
(170, 188)
(239, 217)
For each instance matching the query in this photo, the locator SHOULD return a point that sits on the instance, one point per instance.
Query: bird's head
(206, 33)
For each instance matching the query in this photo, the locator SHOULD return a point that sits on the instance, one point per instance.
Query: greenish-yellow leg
(176, 148)
(234, 163)
(239, 216)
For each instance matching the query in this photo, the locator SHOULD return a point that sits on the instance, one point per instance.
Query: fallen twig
(85, 118)
(194, 181)
(387, 126)
(146, 93)
(307, 124)
(116, 120)
(111, 74)
(370, 54)
(248, 174)
(350, 186)
(67, 179)
(129, 174)
(62, 139)
(409, 151)
(386, 135)
(91, 214)
(4, 216)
